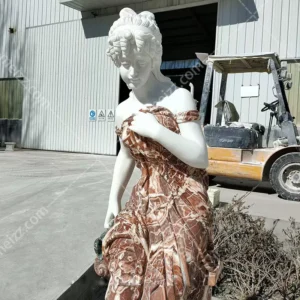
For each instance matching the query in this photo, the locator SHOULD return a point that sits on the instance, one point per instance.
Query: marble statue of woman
(161, 244)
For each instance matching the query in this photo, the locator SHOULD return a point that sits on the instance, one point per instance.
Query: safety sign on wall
(101, 115)
(92, 115)
(110, 113)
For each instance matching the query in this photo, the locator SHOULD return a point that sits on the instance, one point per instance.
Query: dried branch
(256, 264)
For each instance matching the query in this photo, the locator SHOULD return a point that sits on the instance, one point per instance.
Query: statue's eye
(125, 64)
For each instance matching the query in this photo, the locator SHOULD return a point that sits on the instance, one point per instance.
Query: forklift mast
(288, 129)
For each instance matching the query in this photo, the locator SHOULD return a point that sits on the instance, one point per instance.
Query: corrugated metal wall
(19, 14)
(69, 75)
(65, 75)
(42, 12)
(11, 45)
(250, 26)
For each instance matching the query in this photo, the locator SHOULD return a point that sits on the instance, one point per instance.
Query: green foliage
(11, 99)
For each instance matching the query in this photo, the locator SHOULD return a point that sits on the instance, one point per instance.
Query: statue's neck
(152, 91)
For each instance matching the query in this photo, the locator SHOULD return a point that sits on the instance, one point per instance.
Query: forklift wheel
(285, 176)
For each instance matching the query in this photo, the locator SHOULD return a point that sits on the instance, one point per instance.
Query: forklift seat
(256, 126)
(236, 137)
(232, 117)
(235, 134)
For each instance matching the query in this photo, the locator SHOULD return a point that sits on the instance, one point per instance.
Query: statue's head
(135, 47)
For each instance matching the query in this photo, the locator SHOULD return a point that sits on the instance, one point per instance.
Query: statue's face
(136, 69)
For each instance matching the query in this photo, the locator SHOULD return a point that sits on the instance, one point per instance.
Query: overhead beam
(185, 53)
(218, 66)
(197, 22)
(246, 64)
(200, 25)
(176, 32)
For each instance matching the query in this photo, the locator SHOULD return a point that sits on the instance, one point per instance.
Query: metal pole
(222, 98)
(205, 92)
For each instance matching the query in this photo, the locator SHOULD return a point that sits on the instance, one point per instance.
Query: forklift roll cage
(264, 62)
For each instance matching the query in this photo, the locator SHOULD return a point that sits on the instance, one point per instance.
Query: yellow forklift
(246, 150)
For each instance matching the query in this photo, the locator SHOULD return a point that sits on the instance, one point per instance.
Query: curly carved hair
(121, 42)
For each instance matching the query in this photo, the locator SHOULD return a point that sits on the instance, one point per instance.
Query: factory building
(59, 90)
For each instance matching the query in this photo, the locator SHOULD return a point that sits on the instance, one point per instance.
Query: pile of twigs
(256, 264)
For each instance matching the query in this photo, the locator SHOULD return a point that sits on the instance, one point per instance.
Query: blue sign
(92, 115)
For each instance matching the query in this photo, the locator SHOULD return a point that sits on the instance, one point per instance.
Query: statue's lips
(134, 80)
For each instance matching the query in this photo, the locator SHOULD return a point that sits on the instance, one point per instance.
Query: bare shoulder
(122, 106)
(182, 100)
(122, 112)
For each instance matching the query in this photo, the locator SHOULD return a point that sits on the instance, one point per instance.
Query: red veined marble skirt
(161, 244)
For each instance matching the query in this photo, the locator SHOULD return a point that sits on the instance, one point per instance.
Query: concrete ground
(260, 196)
(262, 201)
(52, 207)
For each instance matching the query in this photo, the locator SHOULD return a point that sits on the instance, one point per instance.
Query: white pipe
(192, 88)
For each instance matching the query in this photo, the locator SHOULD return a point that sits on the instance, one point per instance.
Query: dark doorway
(189, 30)
(123, 95)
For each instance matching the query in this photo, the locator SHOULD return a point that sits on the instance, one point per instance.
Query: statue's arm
(123, 169)
(189, 146)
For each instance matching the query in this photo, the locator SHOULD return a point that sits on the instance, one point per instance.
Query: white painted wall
(274, 28)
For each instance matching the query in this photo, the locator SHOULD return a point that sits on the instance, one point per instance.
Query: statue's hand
(145, 124)
(113, 210)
